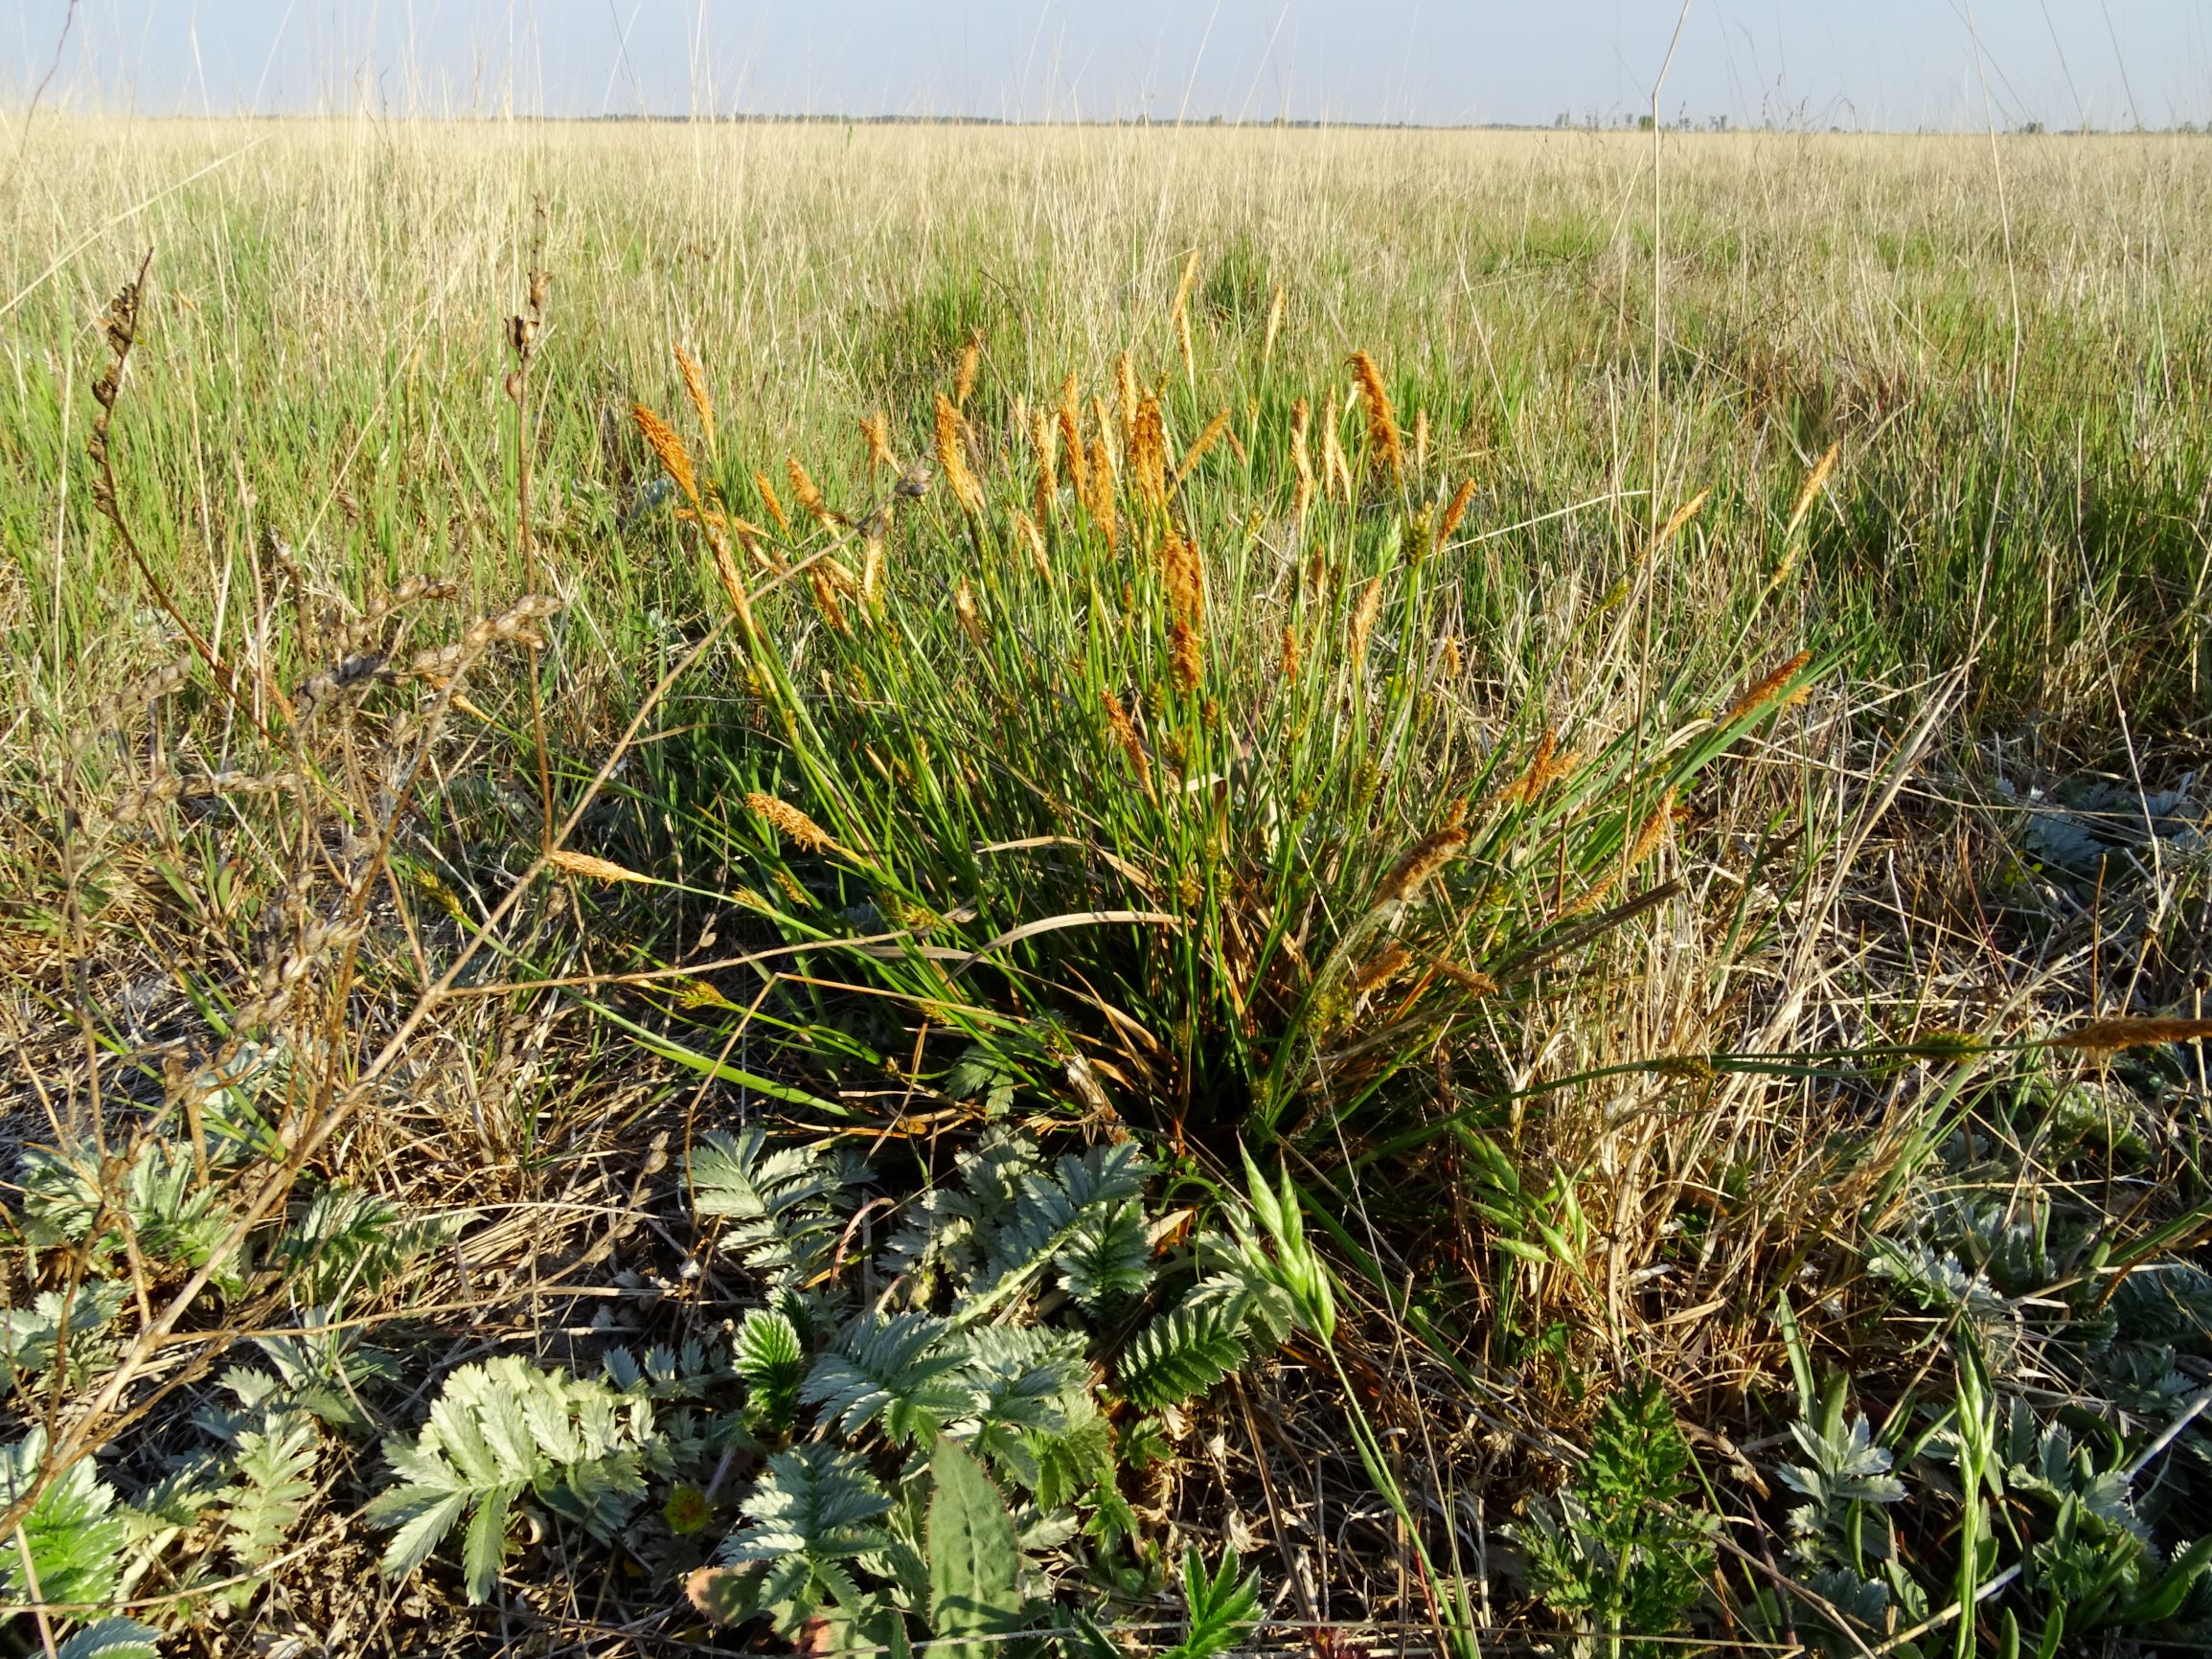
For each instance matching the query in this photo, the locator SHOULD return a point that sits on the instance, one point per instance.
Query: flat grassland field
(1615, 722)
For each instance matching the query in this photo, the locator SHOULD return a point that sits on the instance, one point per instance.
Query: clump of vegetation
(1109, 998)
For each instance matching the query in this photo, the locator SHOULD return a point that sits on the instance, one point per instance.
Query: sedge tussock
(1815, 481)
(1419, 864)
(1289, 666)
(876, 433)
(1301, 420)
(1420, 440)
(770, 501)
(1381, 423)
(593, 868)
(1454, 513)
(1275, 309)
(1363, 615)
(2113, 1034)
(695, 389)
(952, 458)
(970, 361)
(1126, 388)
(1182, 316)
(1756, 697)
(675, 459)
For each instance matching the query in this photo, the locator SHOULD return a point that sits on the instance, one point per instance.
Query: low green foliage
(1624, 1551)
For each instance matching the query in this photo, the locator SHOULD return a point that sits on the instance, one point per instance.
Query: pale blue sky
(1853, 63)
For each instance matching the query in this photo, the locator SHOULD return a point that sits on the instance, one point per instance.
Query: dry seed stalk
(1382, 422)
(1126, 385)
(1289, 665)
(1384, 966)
(1100, 498)
(826, 600)
(1680, 516)
(1421, 440)
(807, 496)
(1545, 767)
(1275, 309)
(1336, 470)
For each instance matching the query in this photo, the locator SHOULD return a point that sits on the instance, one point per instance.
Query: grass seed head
(695, 389)
(970, 361)
(1419, 863)
(1814, 480)
(2112, 1036)
(1363, 615)
(592, 869)
(1757, 696)
(788, 821)
(1210, 436)
(1382, 422)
(768, 500)
(1453, 514)
(675, 459)
(971, 615)
(952, 457)
(876, 433)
